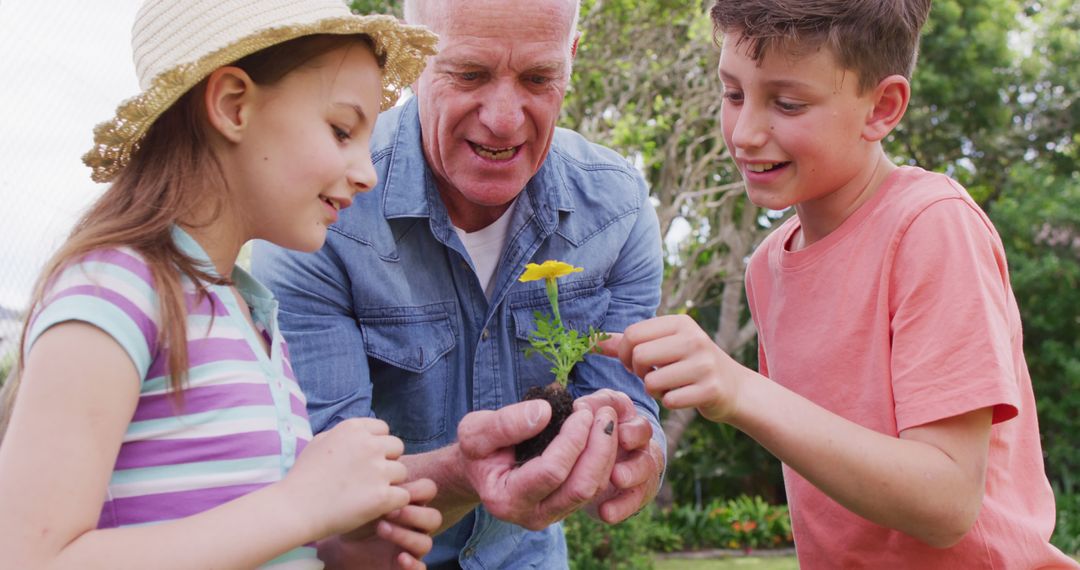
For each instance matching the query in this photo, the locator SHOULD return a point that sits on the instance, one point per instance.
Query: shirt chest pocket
(581, 305)
(407, 351)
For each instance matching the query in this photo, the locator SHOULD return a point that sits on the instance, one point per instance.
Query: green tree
(1037, 213)
(376, 7)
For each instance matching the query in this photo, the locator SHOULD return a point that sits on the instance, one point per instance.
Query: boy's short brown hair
(874, 38)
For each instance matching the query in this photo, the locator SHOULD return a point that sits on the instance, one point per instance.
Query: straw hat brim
(403, 47)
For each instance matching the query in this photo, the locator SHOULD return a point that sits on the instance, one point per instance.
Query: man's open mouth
(491, 153)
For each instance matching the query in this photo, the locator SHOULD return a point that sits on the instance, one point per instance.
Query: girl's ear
(229, 101)
(890, 100)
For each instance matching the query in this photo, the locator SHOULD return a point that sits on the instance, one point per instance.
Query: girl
(158, 423)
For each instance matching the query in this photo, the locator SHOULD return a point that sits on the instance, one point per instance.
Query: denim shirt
(389, 319)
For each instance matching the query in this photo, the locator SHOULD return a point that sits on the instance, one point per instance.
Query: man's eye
(539, 80)
(469, 75)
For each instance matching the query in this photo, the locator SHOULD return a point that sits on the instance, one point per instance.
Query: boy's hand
(347, 476)
(680, 365)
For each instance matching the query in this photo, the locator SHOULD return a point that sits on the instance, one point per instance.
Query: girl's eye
(340, 134)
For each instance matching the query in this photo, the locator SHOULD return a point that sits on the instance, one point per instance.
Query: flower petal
(550, 269)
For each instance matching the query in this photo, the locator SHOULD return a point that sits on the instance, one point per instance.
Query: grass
(740, 562)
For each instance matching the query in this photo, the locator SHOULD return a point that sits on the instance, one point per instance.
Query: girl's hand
(680, 365)
(347, 477)
(401, 539)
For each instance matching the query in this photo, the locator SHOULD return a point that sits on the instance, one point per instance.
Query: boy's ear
(229, 99)
(890, 98)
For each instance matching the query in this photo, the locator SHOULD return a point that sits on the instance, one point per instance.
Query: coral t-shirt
(900, 317)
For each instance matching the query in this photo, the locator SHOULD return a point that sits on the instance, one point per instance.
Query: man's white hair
(413, 10)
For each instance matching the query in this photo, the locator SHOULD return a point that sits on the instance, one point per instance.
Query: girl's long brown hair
(171, 176)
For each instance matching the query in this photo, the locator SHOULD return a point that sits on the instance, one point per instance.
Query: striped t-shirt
(243, 420)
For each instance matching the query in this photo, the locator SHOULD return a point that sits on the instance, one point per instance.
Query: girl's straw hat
(178, 43)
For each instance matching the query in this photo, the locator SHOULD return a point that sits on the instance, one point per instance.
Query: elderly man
(413, 312)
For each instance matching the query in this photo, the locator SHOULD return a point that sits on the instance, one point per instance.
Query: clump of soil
(562, 404)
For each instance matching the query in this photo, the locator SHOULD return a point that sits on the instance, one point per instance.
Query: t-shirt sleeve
(755, 265)
(111, 290)
(953, 327)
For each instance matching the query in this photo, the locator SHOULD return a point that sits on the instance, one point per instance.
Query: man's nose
(502, 110)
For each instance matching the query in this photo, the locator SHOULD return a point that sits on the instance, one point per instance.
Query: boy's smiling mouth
(764, 166)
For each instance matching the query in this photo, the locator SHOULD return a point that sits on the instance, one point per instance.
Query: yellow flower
(550, 269)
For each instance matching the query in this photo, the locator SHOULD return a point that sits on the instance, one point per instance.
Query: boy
(893, 384)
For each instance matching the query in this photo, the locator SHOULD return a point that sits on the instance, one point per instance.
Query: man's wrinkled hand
(573, 470)
(635, 477)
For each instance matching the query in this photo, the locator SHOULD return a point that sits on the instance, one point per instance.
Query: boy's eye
(340, 134)
(733, 96)
(789, 107)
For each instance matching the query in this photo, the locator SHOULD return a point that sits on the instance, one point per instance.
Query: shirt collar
(256, 295)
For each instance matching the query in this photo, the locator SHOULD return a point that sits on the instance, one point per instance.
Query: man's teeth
(494, 153)
(762, 167)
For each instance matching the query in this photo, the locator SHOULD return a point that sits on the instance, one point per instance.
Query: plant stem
(553, 296)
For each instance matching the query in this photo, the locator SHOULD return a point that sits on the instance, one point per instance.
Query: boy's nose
(751, 129)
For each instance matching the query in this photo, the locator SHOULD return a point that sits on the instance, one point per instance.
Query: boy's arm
(953, 331)
(927, 483)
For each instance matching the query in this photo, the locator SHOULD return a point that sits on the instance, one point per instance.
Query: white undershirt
(485, 246)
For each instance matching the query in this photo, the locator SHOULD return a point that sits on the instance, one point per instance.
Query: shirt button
(468, 552)
(288, 428)
(485, 334)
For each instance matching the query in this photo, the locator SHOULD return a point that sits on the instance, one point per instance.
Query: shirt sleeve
(954, 330)
(111, 290)
(635, 283)
(316, 315)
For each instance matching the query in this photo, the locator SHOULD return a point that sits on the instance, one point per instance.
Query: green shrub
(741, 523)
(1067, 532)
(594, 545)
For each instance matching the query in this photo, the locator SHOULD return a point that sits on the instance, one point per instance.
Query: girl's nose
(361, 175)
